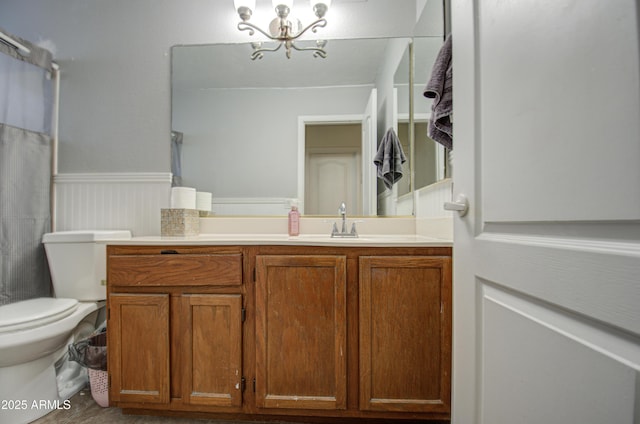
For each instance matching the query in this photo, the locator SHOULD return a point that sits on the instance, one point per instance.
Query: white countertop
(384, 240)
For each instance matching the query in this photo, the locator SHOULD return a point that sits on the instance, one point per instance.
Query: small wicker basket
(99, 382)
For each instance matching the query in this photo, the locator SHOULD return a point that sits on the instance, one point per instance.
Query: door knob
(460, 205)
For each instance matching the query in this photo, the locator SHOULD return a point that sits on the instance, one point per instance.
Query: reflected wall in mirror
(244, 124)
(403, 82)
(426, 159)
(432, 159)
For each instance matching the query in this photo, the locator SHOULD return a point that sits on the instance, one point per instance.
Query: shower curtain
(26, 104)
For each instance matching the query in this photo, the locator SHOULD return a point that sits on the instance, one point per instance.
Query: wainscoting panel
(431, 218)
(260, 206)
(107, 201)
(430, 200)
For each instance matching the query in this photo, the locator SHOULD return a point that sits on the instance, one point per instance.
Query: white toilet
(36, 376)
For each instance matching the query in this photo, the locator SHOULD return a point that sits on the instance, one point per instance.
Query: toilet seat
(33, 313)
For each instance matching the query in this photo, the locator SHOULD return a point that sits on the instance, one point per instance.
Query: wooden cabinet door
(405, 333)
(138, 342)
(212, 361)
(301, 332)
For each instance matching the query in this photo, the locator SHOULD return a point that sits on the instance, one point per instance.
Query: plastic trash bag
(91, 352)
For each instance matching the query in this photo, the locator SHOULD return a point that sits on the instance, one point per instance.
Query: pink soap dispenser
(294, 220)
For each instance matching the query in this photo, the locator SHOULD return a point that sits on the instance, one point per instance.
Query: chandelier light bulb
(244, 8)
(320, 7)
(287, 3)
(283, 30)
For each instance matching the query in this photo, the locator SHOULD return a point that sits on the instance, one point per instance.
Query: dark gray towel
(389, 159)
(440, 89)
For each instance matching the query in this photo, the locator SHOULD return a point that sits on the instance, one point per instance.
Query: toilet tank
(78, 262)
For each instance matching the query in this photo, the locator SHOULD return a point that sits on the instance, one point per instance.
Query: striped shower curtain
(26, 101)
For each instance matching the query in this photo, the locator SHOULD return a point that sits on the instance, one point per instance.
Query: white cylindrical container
(183, 198)
(203, 201)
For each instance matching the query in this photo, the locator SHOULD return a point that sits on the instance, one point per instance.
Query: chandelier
(282, 30)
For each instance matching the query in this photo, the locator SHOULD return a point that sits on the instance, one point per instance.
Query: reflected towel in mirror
(389, 159)
(440, 89)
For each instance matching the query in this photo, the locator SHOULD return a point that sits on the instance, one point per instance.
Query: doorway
(333, 171)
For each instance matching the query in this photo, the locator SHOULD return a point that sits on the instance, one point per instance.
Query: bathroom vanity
(280, 328)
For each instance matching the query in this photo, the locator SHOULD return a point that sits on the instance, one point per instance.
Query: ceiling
(348, 62)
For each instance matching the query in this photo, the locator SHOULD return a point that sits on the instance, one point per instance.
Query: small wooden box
(179, 222)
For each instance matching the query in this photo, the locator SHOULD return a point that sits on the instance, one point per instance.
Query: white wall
(243, 143)
(396, 49)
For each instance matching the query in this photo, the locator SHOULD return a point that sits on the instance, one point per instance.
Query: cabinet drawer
(175, 270)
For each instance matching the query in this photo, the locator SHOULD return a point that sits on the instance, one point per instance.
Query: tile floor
(85, 411)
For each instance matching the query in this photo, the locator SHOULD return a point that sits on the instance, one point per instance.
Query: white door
(332, 178)
(547, 261)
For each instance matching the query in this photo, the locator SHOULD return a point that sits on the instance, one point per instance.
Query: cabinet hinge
(254, 385)
(243, 314)
(243, 384)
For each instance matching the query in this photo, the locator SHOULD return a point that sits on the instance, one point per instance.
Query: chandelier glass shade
(283, 29)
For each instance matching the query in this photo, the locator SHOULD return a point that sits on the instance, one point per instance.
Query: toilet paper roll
(203, 201)
(183, 198)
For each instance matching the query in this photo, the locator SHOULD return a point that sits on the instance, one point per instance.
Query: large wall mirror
(259, 134)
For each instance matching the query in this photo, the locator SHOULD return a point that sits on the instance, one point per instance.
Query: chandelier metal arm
(318, 51)
(283, 31)
(313, 26)
(257, 51)
(246, 26)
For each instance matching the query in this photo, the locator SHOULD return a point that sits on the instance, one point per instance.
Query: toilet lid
(31, 313)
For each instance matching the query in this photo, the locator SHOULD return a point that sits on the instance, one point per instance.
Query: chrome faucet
(342, 211)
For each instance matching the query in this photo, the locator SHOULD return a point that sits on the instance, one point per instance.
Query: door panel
(332, 178)
(213, 338)
(139, 355)
(405, 332)
(529, 347)
(546, 263)
(591, 279)
(301, 332)
(559, 117)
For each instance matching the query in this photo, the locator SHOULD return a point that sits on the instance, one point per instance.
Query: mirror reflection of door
(332, 168)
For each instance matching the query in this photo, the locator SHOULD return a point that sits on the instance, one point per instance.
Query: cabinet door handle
(169, 252)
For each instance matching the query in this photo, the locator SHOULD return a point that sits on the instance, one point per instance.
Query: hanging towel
(389, 159)
(440, 89)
